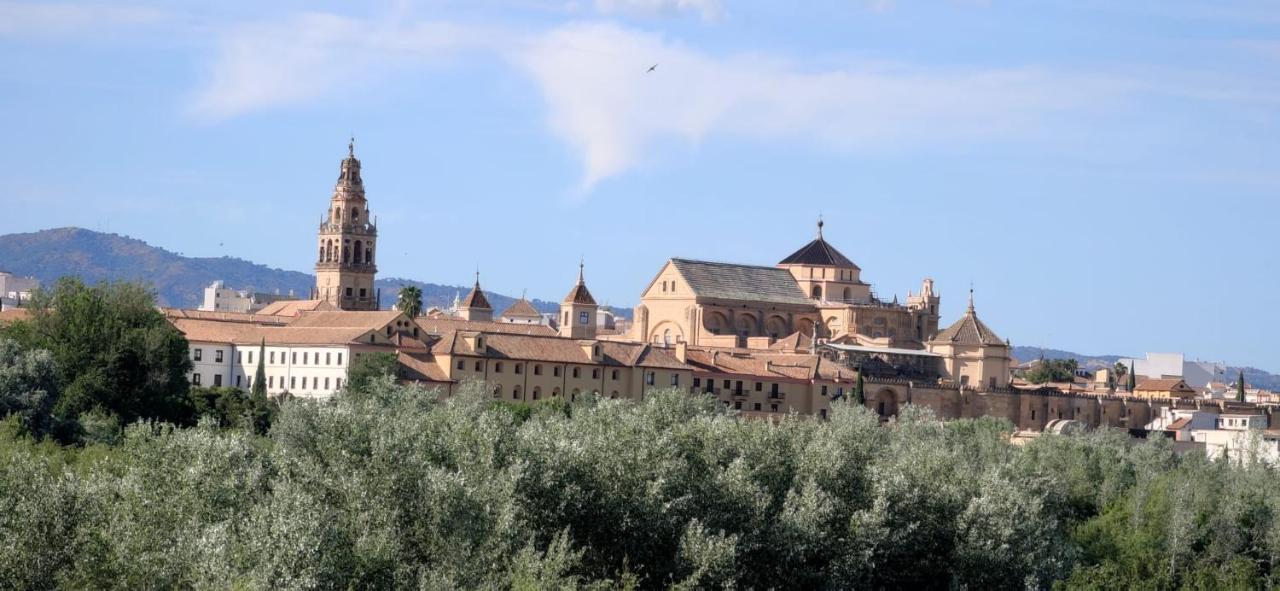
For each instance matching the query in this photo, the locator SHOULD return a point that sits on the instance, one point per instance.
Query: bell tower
(348, 243)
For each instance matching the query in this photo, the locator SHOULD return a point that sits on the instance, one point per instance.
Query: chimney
(682, 351)
(768, 366)
(715, 358)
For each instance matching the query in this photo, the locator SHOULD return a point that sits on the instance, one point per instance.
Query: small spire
(819, 225)
(581, 263)
(523, 293)
(477, 277)
(971, 298)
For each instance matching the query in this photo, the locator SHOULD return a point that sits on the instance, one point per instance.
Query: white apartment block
(220, 298)
(303, 371)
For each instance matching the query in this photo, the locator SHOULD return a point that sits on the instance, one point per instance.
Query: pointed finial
(582, 260)
(351, 147)
(477, 277)
(971, 298)
(819, 225)
(524, 293)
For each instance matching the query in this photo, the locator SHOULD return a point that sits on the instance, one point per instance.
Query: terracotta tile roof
(444, 324)
(969, 331)
(475, 299)
(346, 319)
(252, 318)
(819, 253)
(421, 367)
(580, 295)
(1179, 424)
(521, 309)
(728, 281)
(14, 314)
(794, 343)
(294, 307)
(765, 366)
(243, 333)
(657, 357)
(1163, 385)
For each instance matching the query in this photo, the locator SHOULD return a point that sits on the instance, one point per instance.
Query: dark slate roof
(819, 253)
(521, 309)
(751, 283)
(969, 331)
(476, 299)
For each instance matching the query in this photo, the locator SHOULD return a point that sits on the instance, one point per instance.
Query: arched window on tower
(337, 215)
(355, 215)
(368, 254)
(359, 251)
(848, 294)
(346, 253)
(321, 256)
(817, 292)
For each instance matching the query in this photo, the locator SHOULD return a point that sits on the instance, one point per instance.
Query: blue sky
(1104, 173)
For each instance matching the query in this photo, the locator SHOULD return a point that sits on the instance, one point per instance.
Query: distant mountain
(180, 281)
(1257, 378)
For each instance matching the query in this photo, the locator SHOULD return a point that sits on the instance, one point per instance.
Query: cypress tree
(1240, 387)
(1133, 381)
(857, 390)
(260, 376)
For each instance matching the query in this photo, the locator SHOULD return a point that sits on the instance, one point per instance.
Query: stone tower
(348, 244)
(924, 311)
(578, 311)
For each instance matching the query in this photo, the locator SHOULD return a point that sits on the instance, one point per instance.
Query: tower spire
(581, 263)
(819, 225)
(971, 312)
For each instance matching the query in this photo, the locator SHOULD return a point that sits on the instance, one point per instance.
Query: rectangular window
(327, 358)
(238, 381)
(537, 370)
(462, 364)
(339, 359)
(497, 367)
(239, 357)
(364, 293)
(519, 368)
(315, 382)
(555, 371)
(824, 390)
(615, 375)
(697, 382)
(773, 408)
(737, 405)
(271, 381)
(650, 377)
(675, 379)
(195, 379)
(251, 357)
(217, 380)
(583, 318)
(774, 389)
(272, 357)
(575, 372)
(293, 382)
(479, 366)
(726, 384)
(755, 406)
(196, 354)
(326, 383)
(759, 386)
(348, 292)
(293, 357)
(217, 356)
(339, 382)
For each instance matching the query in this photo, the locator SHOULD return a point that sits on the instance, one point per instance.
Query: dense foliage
(386, 487)
(113, 354)
(1052, 370)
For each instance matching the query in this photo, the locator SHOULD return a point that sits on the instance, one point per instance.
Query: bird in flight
(651, 68)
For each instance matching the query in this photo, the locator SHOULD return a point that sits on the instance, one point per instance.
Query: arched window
(555, 392)
(368, 254)
(848, 294)
(355, 215)
(817, 292)
(537, 392)
(666, 338)
(359, 251)
(337, 215)
(346, 253)
(321, 257)
(515, 393)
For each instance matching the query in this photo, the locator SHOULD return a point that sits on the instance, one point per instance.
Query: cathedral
(348, 238)
(816, 291)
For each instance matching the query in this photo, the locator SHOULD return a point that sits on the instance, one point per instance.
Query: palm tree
(410, 300)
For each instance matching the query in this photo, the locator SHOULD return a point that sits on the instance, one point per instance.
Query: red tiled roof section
(247, 334)
(421, 367)
(251, 318)
(580, 295)
(1163, 385)
(14, 314)
(346, 319)
(1179, 424)
(521, 309)
(442, 325)
(969, 331)
(771, 366)
(295, 307)
(475, 299)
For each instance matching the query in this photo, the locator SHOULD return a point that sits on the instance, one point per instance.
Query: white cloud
(708, 9)
(261, 66)
(603, 101)
(30, 19)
